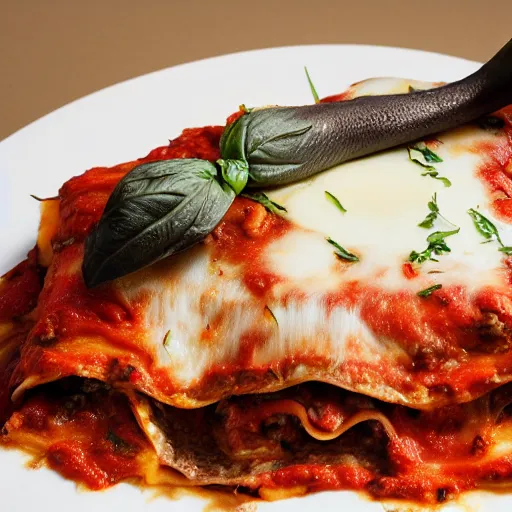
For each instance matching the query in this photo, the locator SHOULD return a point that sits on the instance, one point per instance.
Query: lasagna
(352, 332)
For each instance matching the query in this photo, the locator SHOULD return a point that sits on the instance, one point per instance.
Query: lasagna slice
(356, 336)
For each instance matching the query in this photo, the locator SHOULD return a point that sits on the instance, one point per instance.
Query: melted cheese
(386, 197)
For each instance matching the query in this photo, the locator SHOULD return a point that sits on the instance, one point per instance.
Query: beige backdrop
(52, 52)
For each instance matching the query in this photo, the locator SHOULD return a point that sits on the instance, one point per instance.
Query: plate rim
(268, 49)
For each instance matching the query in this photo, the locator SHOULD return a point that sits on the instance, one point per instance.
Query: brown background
(52, 52)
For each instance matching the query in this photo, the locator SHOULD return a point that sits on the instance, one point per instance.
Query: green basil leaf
(429, 156)
(436, 245)
(156, 210)
(428, 291)
(235, 173)
(311, 86)
(335, 201)
(263, 199)
(484, 226)
(428, 221)
(341, 252)
(272, 141)
(506, 249)
(439, 236)
(427, 153)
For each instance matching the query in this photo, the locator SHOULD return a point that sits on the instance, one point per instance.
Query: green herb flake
(245, 109)
(235, 173)
(335, 201)
(484, 226)
(271, 313)
(120, 445)
(263, 199)
(428, 221)
(167, 341)
(488, 230)
(428, 291)
(429, 156)
(311, 86)
(341, 252)
(436, 245)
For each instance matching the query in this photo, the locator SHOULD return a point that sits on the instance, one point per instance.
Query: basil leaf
(427, 153)
(439, 236)
(428, 291)
(156, 210)
(429, 156)
(335, 201)
(272, 141)
(506, 249)
(235, 173)
(428, 221)
(436, 245)
(311, 86)
(484, 226)
(341, 252)
(263, 199)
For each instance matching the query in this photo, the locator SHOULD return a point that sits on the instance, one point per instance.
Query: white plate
(126, 121)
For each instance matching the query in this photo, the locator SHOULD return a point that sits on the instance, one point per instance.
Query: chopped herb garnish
(311, 86)
(341, 252)
(428, 291)
(427, 153)
(245, 109)
(488, 230)
(436, 245)
(167, 341)
(335, 201)
(428, 221)
(429, 156)
(484, 226)
(120, 445)
(271, 313)
(263, 199)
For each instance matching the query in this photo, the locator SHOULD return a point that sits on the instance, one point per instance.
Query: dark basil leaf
(235, 173)
(263, 199)
(341, 252)
(272, 142)
(158, 209)
(428, 291)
